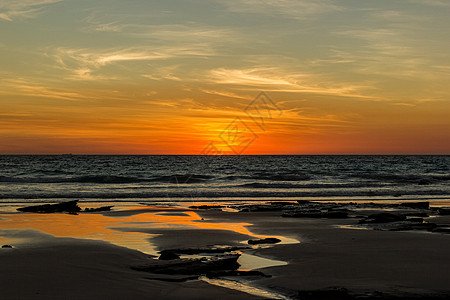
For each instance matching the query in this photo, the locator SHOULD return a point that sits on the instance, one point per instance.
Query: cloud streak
(10, 10)
(296, 9)
(26, 88)
(82, 63)
(277, 79)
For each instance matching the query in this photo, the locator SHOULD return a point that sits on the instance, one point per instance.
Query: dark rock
(415, 226)
(444, 211)
(303, 202)
(331, 294)
(168, 255)
(315, 213)
(261, 208)
(70, 206)
(173, 278)
(303, 214)
(402, 226)
(264, 241)
(418, 220)
(439, 229)
(416, 214)
(7, 246)
(383, 217)
(206, 206)
(236, 273)
(282, 203)
(192, 251)
(103, 208)
(416, 205)
(336, 214)
(192, 266)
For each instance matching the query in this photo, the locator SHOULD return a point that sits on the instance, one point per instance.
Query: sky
(224, 77)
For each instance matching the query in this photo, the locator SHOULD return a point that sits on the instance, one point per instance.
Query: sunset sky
(171, 77)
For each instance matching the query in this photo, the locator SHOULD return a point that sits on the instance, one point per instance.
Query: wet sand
(362, 261)
(46, 265)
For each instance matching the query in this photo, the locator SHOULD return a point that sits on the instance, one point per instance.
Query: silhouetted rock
(103, 208)
(439, 229)
(416, 205)
(303, 214)
(302, 202)
(261, 208)
(7, 246)
(69, 207)
(192, 266)
(207, 207)
(264, 241)
(217, 274)
(213, 250)
(316, 213)
(383, 217)
(444, 211)
(282, 203)
(172, 278)
(331, 294)
(168, 255)
(336, 214)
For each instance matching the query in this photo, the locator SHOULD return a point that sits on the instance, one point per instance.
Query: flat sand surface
(47, 265)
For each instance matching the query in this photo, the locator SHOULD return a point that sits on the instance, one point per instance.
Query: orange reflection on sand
(84, 226)
(189, 220)
(98, 227)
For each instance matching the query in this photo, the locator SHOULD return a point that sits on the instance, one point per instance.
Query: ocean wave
(79, 179)
(403, 178)
(110, 179)
(261, 185)
(271, 176)
(222, 193)
(182, 178)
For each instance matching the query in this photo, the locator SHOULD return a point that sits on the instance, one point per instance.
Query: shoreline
(364, 262)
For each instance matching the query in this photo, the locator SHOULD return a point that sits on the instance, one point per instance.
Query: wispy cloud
(386, 51)
(277, 79)
(178, 33)
(10, 9)
(25, 87)
(227, 94)
(297, 9)
(439, 3)
(166, 72)
(83, 63)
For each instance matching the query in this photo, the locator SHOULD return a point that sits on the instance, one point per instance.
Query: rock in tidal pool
(264, 241)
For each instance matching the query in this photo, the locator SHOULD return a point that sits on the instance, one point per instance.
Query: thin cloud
(10, 10)
(297, 9)
(83, 63)
(171, 32)
(23, 87)
(386, 51)
(275, 79)
(439, 3)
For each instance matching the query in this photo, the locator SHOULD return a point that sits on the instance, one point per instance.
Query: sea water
(178, 178)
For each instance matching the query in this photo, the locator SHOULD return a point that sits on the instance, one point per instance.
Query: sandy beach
(46, 263)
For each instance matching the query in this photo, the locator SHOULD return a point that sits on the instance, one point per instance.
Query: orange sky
(171, 78)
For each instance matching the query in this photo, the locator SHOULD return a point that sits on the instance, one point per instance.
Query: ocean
(180, 178)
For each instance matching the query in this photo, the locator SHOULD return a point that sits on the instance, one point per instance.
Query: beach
(91, 256)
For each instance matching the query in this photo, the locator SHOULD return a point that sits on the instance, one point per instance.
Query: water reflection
(103, 227)
(120, 228)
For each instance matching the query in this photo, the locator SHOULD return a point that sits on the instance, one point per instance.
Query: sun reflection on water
(103, 226)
